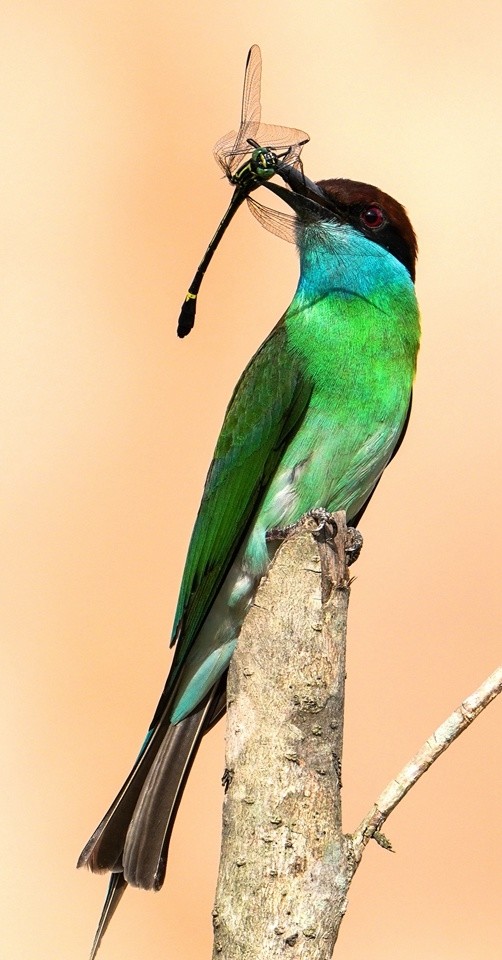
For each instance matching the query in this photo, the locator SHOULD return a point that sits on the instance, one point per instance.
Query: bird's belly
(331, 467)
(322, 467)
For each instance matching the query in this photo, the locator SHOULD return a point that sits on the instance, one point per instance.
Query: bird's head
(365, 208)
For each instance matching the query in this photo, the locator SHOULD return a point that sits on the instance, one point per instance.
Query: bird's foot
(322, 518)
(353, 541)
(282, 533)
(319, 515)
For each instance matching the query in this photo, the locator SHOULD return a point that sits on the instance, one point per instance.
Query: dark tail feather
(133, 838)
(103, 851)
(116, 888)
(149, 833)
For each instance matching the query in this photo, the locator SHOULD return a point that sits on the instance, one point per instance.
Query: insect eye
(372, 217)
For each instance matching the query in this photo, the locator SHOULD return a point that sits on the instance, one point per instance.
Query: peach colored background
(109, 195)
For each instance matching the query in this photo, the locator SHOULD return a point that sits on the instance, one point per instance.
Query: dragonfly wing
(251, 93)
(223, 149)
(283, 225)
(230, 148)
(276, 137)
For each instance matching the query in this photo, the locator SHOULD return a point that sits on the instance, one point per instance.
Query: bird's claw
(353, 546)
(322, 518)
(318, 514)
(282, 533)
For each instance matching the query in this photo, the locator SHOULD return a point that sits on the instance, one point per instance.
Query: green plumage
(266, 408)
(312, 423)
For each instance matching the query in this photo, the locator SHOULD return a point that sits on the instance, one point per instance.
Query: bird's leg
(353, 539)
(282, 533)
(322, 518)
(319, 514)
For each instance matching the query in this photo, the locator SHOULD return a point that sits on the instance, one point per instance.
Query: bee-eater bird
(314, 420)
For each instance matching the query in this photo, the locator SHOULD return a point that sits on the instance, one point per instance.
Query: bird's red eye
(373, 217)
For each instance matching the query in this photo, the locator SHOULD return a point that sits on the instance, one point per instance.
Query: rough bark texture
(286, 866)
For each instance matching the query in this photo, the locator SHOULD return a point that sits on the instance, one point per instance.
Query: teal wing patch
(266, 408)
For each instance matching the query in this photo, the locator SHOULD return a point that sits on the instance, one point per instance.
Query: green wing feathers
(267, 406)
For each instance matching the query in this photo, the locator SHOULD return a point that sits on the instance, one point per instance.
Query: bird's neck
(354, 307)
(337, 258)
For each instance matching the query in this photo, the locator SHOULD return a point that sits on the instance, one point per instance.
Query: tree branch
(440, 740)
(286, 866)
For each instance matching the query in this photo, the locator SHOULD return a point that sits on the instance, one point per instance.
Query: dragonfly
(248, 158)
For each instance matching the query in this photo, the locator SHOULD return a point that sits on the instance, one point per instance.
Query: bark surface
(286, 866)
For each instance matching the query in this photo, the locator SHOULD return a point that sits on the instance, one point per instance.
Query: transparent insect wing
(230, 152)
(251, 94)
(281, 224)
(231, 149)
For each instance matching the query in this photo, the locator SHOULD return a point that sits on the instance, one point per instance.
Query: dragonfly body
(282, 146)
(262, 165)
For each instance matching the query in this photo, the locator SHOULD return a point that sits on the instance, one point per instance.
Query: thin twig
(440, 740)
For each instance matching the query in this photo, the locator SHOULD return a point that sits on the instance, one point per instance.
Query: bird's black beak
(306, 198)
(301, 184)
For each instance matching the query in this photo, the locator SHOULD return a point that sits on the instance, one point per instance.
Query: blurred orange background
(109, 196)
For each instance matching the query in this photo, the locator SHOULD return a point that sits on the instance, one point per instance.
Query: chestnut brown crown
(375, 214)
